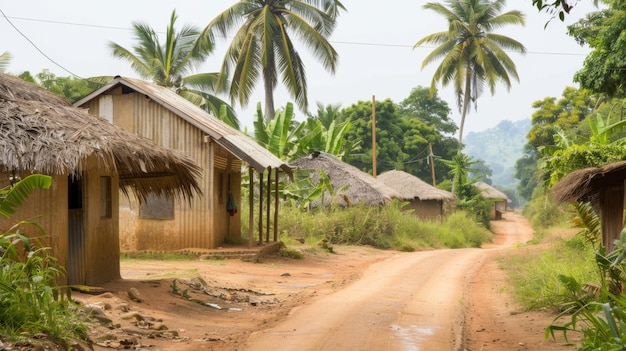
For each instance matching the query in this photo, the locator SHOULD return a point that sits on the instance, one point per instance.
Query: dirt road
(356, 299)
(413, 301)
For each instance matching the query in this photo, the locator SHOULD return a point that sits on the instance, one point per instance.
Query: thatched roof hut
(603, 187)
(500, 199)
(489, 192)
(88, 159)
(411, 187)
(425, 200)
(362, 187)
(42, 133)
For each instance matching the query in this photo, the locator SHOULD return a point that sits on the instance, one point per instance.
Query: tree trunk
(465, 108)
(270, 111)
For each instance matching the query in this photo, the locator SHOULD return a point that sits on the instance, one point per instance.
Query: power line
(356, 43)
(37, 48)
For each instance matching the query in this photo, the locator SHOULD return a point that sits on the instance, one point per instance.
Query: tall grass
(385, 227)
(534, 274)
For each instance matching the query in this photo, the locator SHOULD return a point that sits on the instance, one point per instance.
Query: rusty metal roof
(240, 144)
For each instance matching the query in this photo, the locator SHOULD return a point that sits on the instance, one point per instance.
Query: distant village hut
(426, 201)
(89, 160)
(171, 121)
(499, 198)
(603, 187)
(362, 188)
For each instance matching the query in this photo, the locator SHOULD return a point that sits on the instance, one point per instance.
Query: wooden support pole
(251, 205)
(261, 208)
(276, 199)
(432, 164)
(374, 136)
(268, 205)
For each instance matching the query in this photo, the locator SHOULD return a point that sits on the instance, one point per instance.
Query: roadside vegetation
(31, 302)
(385, 227)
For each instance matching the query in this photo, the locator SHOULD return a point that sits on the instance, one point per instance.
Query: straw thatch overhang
(42, 133)
(489, 192)
(585, 184)
(362, 187)
(411, 187)
(603, 187)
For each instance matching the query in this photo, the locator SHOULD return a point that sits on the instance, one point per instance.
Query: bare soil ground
(229, 305)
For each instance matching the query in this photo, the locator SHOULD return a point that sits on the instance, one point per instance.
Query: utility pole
(432, 164)
(374, 136)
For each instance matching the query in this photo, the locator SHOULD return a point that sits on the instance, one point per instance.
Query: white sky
(374, 40)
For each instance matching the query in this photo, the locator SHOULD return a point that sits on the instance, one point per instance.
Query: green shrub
(30, 303)
(384, 227)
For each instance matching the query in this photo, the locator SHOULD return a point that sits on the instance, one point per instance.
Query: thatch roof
(362, 187)
(411, 187)
(584, 184)
(489, 192)
(42, 133)
(233, 140)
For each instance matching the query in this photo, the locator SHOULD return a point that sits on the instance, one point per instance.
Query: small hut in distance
(425, 200)
(362, 187)
(500, 199)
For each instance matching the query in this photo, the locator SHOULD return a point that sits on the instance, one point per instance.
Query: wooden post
(251, 205)
(432, 164)
(268, 205)
(261, 208)
(276, 207)
(374, 136)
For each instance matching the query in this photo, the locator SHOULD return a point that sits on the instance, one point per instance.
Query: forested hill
(500, 147)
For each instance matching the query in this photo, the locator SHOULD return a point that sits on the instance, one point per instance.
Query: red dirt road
(357, 299)
(413, 301)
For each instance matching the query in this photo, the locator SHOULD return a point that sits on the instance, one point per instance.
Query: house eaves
(241, 145)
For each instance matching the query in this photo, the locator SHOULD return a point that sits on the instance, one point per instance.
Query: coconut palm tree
(471, 53)
(263, 47)
(168, 65)
(5, 59)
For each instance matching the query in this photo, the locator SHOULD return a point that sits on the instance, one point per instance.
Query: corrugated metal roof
(241, 145)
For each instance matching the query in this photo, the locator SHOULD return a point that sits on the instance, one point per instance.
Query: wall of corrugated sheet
(206, 222)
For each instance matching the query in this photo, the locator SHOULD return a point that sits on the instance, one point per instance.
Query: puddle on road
(412, 337)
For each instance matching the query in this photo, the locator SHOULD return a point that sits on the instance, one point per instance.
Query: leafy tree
(263, 47)
(5, 59)
(403, 136)
(70, 88)
(551, 115)
(560, 7)
(461, 168)
(482, 172)
(526, 172)
(566, 113)
(472, 54)
(604, 69)
(389, 136)
(171, 63)
(429, 108)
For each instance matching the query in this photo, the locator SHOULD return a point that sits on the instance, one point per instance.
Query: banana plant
(13, 196)
(282, 135)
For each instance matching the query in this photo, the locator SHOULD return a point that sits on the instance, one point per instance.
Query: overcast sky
(374, 40)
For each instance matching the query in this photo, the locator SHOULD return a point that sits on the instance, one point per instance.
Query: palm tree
(472, 54)
(262, 45)
(5, 59)
(168, 65)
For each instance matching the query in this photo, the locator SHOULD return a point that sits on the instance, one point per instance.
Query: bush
(30, 304)
(384, 227)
